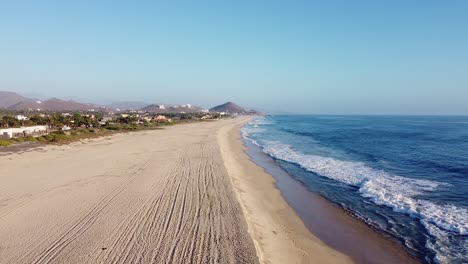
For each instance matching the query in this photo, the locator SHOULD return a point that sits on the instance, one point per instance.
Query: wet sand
(330, 223)
(280, 236)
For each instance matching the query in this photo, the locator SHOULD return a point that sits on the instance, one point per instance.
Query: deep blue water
(406, 175)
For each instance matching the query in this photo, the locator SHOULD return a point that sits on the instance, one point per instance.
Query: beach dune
(157, 196)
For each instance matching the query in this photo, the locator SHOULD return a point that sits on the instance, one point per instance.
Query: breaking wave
(381, 187)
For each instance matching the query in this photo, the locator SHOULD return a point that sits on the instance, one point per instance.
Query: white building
(32, 131)
(161, 118)
(21, 117)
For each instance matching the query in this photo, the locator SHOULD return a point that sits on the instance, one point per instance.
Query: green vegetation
(55, 137)
(91, 124)
(54, 120)
(25, 139)
(5, 142)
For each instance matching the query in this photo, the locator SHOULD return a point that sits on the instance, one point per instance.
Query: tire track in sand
(85, 222)
(184, 220)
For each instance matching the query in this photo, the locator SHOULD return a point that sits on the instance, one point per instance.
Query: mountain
(14, 101)
(187, 108)
(55, 105)
(8, 99)
(234, 109)
(128, 105)
(230, 108)
(254, 112)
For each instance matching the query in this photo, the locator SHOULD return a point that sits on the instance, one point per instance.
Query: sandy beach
(279, 234)
(184, 194)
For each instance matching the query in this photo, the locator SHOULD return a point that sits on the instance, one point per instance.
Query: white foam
(448, 250)
(259, 121)
(402, 194)
(254, 127)
(246, 136)
(381, 187)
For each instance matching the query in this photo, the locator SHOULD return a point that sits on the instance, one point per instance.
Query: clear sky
(348, 57)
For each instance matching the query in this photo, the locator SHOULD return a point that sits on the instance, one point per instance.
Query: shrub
(59, 137)
(4, 142)
(53, 137)
(113, 127)
(20, 139)
(25, 139)
(30, 139)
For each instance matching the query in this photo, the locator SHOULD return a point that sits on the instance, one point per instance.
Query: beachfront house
(146, 119)
(21, 117)
(161, 118)
(16, 132)
(206, 117)
(105, 120)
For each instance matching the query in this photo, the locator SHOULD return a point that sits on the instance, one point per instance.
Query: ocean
(404, 175)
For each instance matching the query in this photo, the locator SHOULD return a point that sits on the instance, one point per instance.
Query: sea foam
(446, 224)
(383, 188)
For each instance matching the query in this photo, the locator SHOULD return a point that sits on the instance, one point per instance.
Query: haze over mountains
(128, 105)
(9, 99)
(187, 108)
(14, 101)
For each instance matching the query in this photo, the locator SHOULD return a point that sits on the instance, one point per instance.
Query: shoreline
(117, 198)
(279, 234)
(333, 226)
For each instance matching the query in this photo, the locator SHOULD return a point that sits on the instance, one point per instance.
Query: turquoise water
(405, 175)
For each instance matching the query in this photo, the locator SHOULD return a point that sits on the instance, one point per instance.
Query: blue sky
(336, 57)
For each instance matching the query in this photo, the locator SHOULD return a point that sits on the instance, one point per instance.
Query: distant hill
(128, 105)
(154, 108)
(16, 102)
(8, 99)
(230, 108)
(54, 105)
(254, 112)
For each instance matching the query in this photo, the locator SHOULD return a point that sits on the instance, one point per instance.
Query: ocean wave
(246, 133)
(399, 193)
(447, 247)
(259, 121)
(254, 127)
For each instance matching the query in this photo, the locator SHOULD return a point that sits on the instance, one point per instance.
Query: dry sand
(160, 196)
